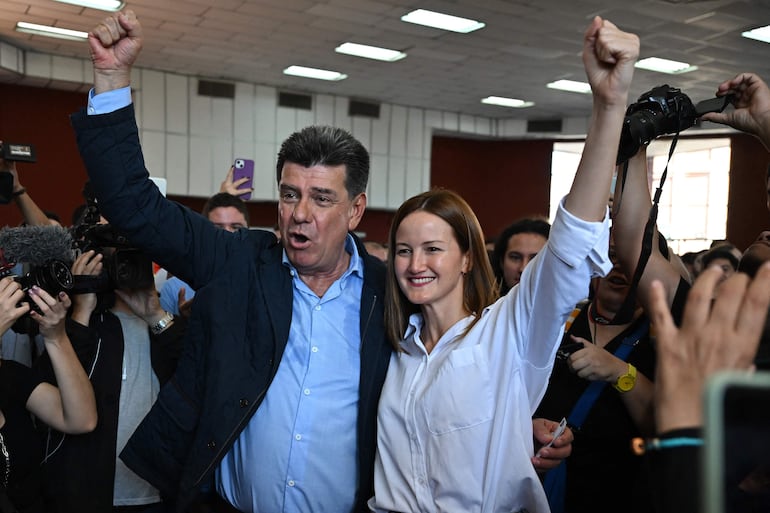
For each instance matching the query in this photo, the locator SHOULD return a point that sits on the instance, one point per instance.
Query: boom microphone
(35, 245)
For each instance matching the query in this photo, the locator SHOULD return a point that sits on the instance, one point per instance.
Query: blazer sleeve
(180, 240)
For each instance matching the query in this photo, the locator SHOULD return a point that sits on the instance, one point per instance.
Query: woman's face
(522, 248)
(428, 262)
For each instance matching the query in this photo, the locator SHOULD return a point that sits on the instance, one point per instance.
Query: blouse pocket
(461, 395)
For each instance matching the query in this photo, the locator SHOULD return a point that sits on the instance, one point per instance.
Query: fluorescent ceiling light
(45, 30)
(370, 52)
(320, 74)
(102, 5)
(571, 86)
(442, 21)
(507, 102)
(759, 33)
(665, 66)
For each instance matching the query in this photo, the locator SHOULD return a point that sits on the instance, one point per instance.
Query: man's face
(522, 247)
(228, 218)
(315, 214)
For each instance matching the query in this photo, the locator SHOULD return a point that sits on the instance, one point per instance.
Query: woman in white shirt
(454, 421)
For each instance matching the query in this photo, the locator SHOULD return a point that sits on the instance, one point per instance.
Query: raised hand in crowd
(114, 43)
(234, 187)
(752, 106)
(724, 336)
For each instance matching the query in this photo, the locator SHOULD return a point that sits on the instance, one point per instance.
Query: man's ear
(357, 208)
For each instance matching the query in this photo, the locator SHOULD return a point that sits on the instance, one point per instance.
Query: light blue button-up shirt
(299, 452)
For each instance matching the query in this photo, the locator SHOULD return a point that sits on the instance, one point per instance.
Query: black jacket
(239, 325)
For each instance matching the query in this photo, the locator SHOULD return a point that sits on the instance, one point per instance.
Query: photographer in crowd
(711, 338)
(20, 347)
(132, 346)
(68, 407)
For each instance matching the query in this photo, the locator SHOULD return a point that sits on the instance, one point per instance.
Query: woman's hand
(50, 314)
(11, 307)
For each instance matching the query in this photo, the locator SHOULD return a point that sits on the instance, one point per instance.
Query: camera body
(54, 277)
(15, 152)
(124, 266)
(660, 111)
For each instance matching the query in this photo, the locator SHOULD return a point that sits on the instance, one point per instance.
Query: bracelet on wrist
(657, 444)
(16, 194)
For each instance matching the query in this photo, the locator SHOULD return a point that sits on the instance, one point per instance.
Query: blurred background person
(515, 247)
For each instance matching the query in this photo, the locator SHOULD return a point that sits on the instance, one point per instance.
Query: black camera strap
(626, 312)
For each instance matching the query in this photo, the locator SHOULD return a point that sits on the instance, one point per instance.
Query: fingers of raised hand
(109, 31)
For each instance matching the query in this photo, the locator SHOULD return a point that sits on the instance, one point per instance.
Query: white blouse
(454, 427)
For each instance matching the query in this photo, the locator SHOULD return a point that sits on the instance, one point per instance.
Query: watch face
(626, 383)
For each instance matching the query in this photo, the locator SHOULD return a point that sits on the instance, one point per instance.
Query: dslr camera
(125, 267)
(662, 110)
(53, 277)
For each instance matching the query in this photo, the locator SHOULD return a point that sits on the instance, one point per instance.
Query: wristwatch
(162, 324)
(627, 381)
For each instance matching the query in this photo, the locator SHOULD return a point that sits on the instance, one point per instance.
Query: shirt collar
(415, 325)
(356, 265)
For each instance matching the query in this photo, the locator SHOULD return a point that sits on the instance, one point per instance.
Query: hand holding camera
(50, 313)
(88, 263)
(752, 106)
(11, 307)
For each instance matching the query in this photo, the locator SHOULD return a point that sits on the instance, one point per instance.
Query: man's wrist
(109, 81)
(162, 323)
(18, 192)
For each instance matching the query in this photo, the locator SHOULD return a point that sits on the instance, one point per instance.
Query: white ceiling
(525, 44)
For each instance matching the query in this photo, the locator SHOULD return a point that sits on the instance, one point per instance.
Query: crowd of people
(307, 370)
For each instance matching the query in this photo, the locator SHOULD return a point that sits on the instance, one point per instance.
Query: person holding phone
(467, 373)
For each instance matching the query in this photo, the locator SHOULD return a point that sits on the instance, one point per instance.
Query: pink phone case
(244, 168)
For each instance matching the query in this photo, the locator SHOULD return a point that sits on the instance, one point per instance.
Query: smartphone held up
(244, 168)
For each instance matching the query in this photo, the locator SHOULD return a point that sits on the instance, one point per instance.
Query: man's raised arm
(108, 140)
(115, 44)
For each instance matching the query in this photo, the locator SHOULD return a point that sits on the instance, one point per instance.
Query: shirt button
(298, 437)
(315, 349)
(212, 445)
(421, 481)
(291, 482)
(91, 110)
(291, 272)
(243, 403)
(317, 307)
(307, 391)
